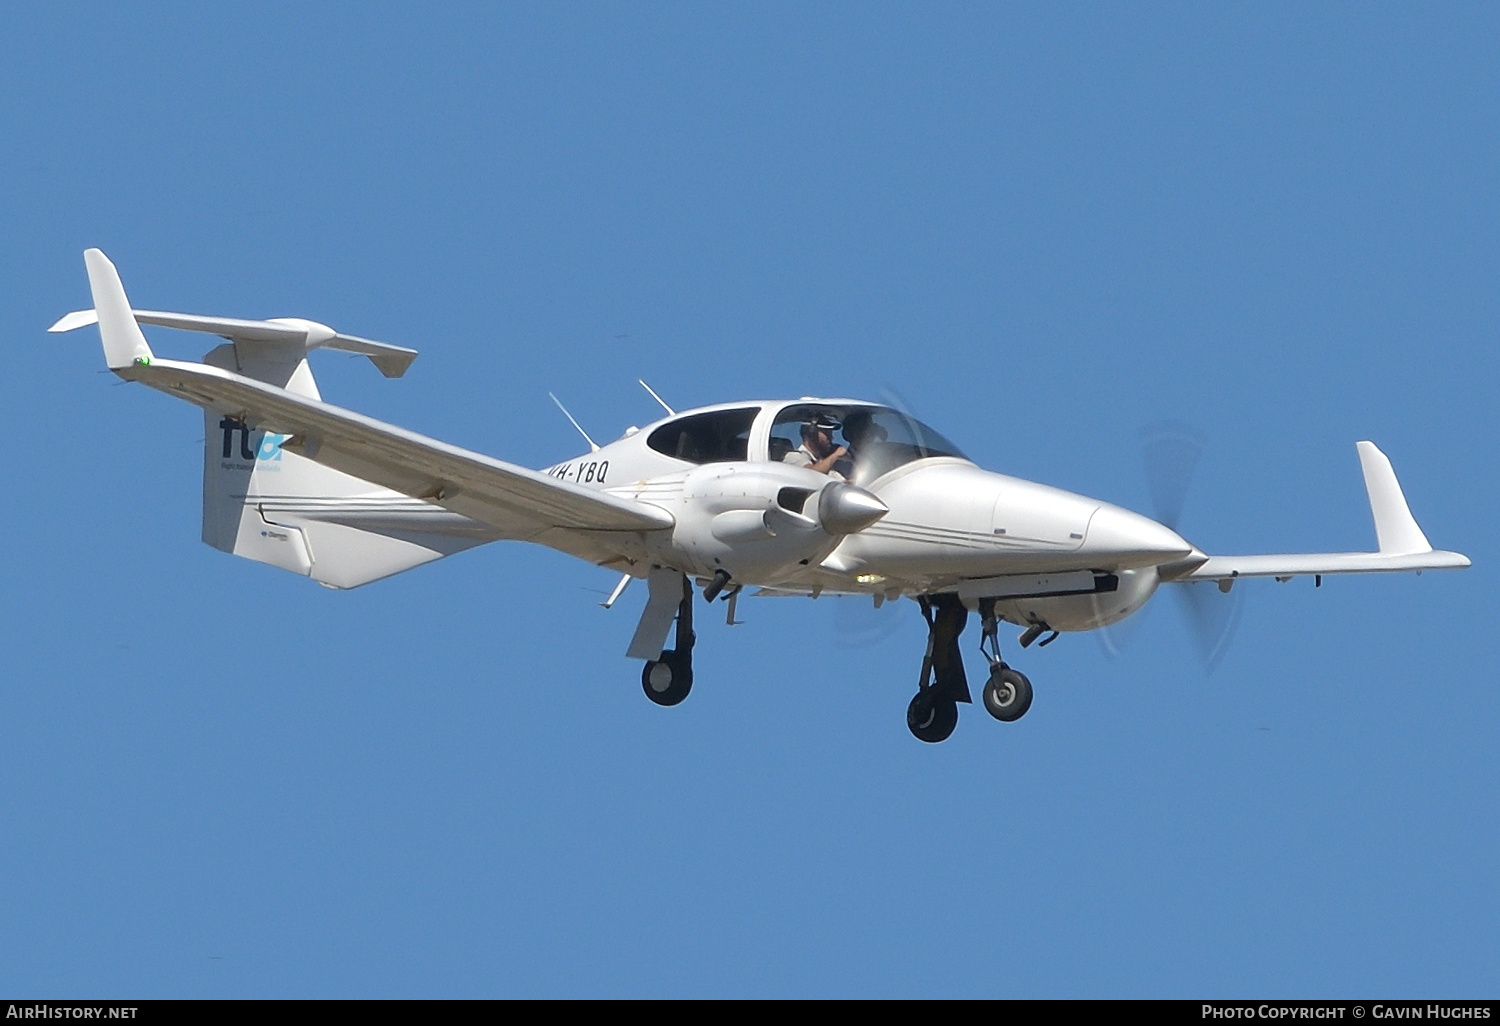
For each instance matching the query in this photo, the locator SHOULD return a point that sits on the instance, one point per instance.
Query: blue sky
(1046, 227)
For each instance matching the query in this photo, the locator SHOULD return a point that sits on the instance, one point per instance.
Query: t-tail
(260, 500)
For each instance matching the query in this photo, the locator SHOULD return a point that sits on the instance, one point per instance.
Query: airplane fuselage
(759, 520)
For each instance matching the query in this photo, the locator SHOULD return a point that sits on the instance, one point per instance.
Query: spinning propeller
(1169, 453)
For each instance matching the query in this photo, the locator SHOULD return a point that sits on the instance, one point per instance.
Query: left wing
(1401, 544)
(523, 504)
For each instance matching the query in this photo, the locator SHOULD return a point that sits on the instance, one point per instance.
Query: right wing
(523, 504)
(1401, 545)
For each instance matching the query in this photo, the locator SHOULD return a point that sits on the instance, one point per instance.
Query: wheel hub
(661, 677)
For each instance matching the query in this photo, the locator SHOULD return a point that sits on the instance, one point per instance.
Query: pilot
(817, 451)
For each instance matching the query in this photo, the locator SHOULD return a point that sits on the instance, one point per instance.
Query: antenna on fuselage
(658, 398)
(581, 431)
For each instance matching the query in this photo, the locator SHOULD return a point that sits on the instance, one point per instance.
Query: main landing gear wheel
(930, 717)
(1007, 694)
(667, 680)
(933, 712)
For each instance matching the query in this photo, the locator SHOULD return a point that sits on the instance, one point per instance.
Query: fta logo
(268, 449)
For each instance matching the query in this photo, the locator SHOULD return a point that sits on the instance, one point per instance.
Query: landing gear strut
(933, 712)
(668, 680)
(1007, 694)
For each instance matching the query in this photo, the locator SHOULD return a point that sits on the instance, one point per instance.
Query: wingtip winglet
(1396, 530)
(124, 345)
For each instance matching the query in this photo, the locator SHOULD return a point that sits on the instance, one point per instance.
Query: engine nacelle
(755, 519)
(1084, 612)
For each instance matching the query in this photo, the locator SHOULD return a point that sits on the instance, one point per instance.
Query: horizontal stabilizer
(392, 360)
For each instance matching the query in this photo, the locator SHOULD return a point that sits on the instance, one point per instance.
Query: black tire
(678, 673)
(931, 718)
(1007, 694)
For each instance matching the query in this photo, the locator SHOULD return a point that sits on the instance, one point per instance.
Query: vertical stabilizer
(123, 342)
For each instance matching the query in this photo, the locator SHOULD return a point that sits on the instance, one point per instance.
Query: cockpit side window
(719, 436)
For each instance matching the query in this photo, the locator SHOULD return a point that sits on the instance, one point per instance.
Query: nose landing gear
(1007, 694)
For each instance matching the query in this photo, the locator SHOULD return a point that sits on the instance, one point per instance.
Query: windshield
(877, 439)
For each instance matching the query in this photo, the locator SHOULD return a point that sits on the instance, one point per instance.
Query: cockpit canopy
(878, 439)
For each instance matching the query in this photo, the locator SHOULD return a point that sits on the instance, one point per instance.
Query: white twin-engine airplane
(741, 494)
